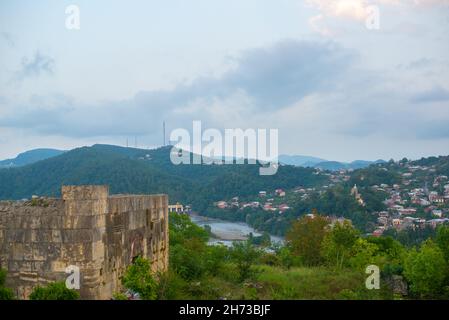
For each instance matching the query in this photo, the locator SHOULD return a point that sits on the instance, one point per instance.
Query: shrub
(139, 279)
(426, 270)
(54, 291)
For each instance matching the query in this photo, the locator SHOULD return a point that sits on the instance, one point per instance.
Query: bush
(187, 259)
(244, 255)
(138, 278)
(214, 259)
(54, 291)
(6, 294)
(171, 286)
(426, 270)
(338, 244)
(306, 237)
(270, 259)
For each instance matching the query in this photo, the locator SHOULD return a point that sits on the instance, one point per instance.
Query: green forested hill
(129, 170)
(30, 157)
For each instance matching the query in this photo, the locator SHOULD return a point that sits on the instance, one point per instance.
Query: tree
(182, 228)
(171, 286)
(426, 270)
(364, 253)
(214, 258)
(139, 279)
(187, 258)
(54, 291)
(306, 236)
(286, 258)
(442, 240)
(245, 255)
(338, 243)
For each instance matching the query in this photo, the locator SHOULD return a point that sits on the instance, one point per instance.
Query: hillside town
(414, 202)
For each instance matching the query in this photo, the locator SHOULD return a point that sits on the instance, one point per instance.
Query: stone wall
(87, 228)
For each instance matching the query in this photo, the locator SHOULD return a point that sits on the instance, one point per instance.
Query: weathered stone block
(86, 228)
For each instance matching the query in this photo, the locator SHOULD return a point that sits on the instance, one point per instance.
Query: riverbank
(226, 232)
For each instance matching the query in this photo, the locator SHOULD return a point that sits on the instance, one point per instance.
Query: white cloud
(358, 10)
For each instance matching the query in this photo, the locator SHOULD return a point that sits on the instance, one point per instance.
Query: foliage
(442, 239)
(244, 254)
(338, 244)
(411, 237)
(135, 171)
(182, 228)
(119, 296)
(5, 293)
(54, 291)
(187, 258)
(171, 286)
(305, 238)
(139, 279)
(364, 253)
(426, 270)
(2, 277)
(263, 240)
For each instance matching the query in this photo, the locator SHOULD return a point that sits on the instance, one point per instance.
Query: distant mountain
(30, 157)
(335, 165)
(314, 162)
(331, 165)
(140, 171)
(298, 160)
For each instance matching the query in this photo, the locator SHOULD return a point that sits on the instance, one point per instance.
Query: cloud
(358, 10)
(437, 129)
(351, 9)
(263, 80)
(38, 65)
(303, 86)
(289, 71)
(436, 94)
(7, 38)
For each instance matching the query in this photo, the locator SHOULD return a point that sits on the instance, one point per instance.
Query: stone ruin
(87, 228)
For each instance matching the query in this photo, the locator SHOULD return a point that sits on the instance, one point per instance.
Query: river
(226, 232)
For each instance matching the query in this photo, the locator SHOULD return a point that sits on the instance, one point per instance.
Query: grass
(272, 282)
(307, 283)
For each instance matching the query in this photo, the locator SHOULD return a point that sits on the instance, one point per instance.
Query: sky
(337, 82)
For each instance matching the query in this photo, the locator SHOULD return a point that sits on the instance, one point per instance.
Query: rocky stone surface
(87, 228)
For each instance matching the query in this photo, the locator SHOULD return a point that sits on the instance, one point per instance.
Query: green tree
(245, 255)
(188, 258)
(442, 240)
(286, 258)
(338, 244)
(54, 291)
(364, 253)
(214, 258)
(181, 228)
(305, 238)
(139, 279)
(426, 270)
(171, 286)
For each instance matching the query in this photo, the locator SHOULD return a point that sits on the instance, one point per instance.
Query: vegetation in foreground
(319, 261)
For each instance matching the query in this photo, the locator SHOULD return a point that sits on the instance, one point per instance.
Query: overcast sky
(311, 68)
